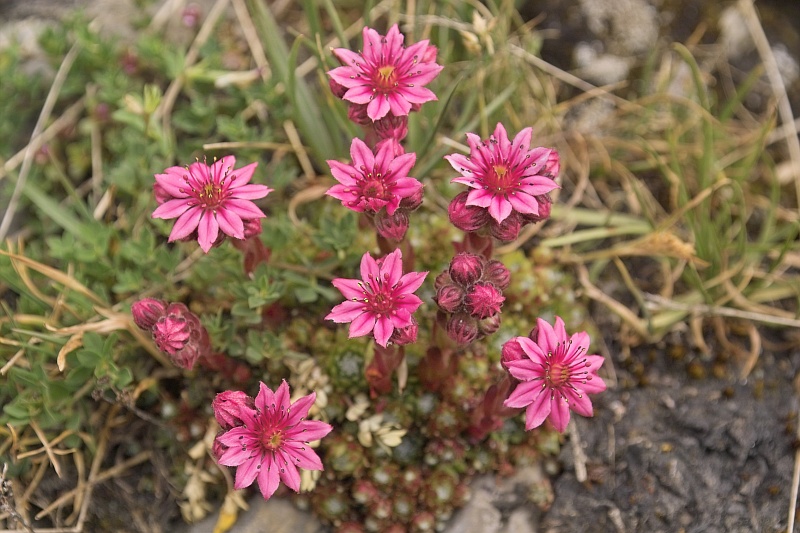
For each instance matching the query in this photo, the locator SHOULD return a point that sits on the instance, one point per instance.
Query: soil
(666, 452)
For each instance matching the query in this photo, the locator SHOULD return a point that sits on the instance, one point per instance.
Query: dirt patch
(675, 454)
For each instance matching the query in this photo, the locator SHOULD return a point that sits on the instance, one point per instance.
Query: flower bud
(171, 333)
(396, 148)
(429, 55)
(508, 229)
(406, 335)
(489, 325)
(466, 268)
(412, 202)
(392, 227)
(180, 335)
(462, 328)
(466, 217)
(217, 448)
(442, 280)
(449, 298)
(226, 407)
(511, 351)
(337, 88)
(552, 165)
(358, 114)
(545, 206)
(497, 274)
(484, 300)
(252, 227)
(147, 311)
(392, 127)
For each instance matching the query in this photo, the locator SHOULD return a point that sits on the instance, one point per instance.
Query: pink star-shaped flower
(272, 442)
(556, 375)
(381, 301)
(208, 198)
(506, 176)
(386, 76)
(373, 181)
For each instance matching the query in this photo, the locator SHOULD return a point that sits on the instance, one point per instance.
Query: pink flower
(273, 441)
(374, 182)
(505, 176)
(226, 407)
(381, 301)
(386, 76)
(556, 375)
(207, 199)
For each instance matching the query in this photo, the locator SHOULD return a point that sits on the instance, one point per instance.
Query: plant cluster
(350, 348)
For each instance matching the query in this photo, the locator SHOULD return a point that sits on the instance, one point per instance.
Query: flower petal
(559, 412)
(299, 409)
(265, 400)
(379, 107)
(350, 288)
(538, 411)
(230, 223)
(246, 473)
(172, 208)
(369, 268)
(361, 155)
(186, 224)
(308, 458)
(207, 231)
(288, 471)
(362, 325)
(308, 431)
(383, 330)
(346, 312)
(268, 477)
(524, 394)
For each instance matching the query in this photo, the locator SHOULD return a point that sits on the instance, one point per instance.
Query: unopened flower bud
(252, 227)
(412, 202)
(180, 335)
(449, 298)
(489, 325)
(396, 148)
(484, 300)
(462, 328)
(545, 206)
(217, 449)
(358, 114)
(392, 227)
(171, 334)
(466, 217)
(508, 229)
(429, 55)
(392, 127)
(337, 88)
(552, 166)
(466, 268)
(226, 407)
(406, 335)
(442, 280)
(147, 311)
(511, 351)
(497, 274)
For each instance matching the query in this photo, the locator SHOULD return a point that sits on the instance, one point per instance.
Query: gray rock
(275, 515)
